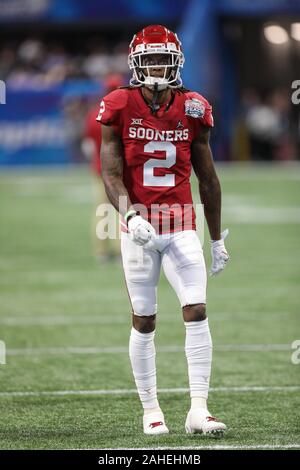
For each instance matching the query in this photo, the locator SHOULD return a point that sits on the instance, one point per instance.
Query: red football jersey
(157, 152)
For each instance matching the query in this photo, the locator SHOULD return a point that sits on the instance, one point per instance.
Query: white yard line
(205, 447)
(245, 214)
(61, 319)
(285, 388)
(124, 349)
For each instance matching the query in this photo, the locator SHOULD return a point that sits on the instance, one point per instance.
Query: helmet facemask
(156, 66)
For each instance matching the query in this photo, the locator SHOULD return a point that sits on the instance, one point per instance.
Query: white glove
(219, 254)
(140, 230)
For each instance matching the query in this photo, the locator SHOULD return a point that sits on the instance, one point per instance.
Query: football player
(154, 131)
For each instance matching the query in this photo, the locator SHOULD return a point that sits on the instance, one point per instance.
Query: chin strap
(154, 105)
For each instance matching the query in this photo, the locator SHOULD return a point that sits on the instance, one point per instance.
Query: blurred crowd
(50, 62)
(267, 128)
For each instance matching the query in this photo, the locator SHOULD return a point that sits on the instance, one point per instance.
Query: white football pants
(181, 256)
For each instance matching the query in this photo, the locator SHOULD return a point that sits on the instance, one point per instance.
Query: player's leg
(198, 349)
(184, 266)
(142, 268)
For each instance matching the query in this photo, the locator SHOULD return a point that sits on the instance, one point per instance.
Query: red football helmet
(155, 56)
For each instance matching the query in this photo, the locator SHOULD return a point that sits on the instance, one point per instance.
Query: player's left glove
(219, 254)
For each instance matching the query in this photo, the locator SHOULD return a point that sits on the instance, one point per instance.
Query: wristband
(129, 214)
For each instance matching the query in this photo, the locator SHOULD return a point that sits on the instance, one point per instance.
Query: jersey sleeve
(111, 107)
(199, 111)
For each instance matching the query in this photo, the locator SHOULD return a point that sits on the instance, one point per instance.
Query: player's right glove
(140, 230)
(219, 254)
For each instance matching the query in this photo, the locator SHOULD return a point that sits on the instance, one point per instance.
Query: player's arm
(209, 185)
(112, 170)
(210, 195)
(140, 229)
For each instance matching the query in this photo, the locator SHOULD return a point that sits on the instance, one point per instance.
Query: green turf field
(66, 320)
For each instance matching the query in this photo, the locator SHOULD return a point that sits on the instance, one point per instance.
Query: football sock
(142, 357)
(148, 411)
(198, 350)
(198, 403)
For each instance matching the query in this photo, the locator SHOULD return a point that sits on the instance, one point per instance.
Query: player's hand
(141, 231)
(219, 254)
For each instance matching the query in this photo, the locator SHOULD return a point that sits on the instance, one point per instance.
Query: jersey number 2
(149, 178)
(101, 110)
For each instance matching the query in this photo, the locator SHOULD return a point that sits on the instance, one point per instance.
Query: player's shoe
(154, 423)
(200, 421)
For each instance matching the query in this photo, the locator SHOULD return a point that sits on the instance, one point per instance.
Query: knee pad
(192, 295)
(143, 307)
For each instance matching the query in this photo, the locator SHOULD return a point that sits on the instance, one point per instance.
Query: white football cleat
(154, 423)
(200, 421)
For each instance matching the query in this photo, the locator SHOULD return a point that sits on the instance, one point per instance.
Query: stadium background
(67, 381)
